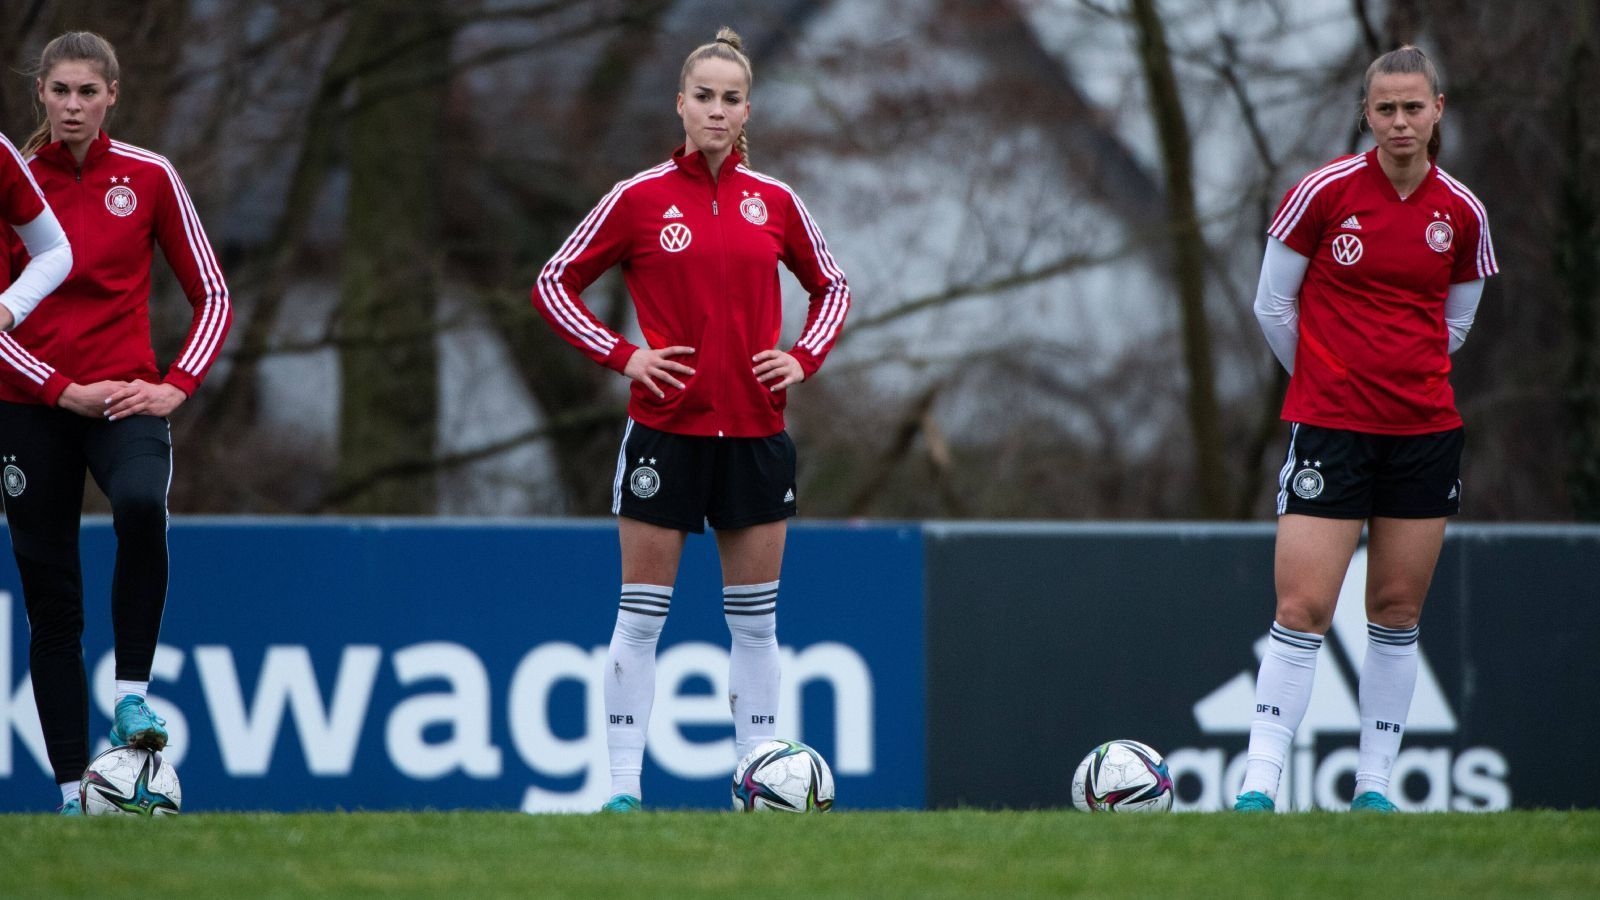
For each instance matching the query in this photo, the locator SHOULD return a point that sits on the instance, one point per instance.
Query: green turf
(965, 853)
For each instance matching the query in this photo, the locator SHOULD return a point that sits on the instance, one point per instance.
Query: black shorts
(683, 481)
(1337, 474)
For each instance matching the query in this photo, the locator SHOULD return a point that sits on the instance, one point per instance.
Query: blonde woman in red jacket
(90, 396)
(699, 239)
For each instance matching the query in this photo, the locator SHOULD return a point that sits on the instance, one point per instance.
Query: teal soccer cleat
(1255, 801)
(134, 725)
(623, 803)
(1372, 801)
(73, 807)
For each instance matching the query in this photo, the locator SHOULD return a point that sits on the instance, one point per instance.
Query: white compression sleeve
(50, 265)
(1277, 299)
(1460, 307)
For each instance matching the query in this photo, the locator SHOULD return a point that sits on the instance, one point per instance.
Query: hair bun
(726, 35)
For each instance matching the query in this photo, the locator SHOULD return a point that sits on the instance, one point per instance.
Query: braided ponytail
(729, 46)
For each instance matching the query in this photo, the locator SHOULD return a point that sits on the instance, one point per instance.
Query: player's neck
(1405, 174)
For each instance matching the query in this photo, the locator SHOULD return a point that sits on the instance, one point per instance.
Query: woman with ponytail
(87, 396)
(1373, 271)
(699, 239)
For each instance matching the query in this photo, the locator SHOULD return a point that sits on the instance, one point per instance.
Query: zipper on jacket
(722, 270)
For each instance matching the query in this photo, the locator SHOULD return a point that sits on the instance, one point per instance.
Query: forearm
(50, 264)
(1277, 300)
(1460, 308)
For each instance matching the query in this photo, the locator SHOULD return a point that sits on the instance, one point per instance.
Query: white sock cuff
(1295, 647)
(646, 599)
(750, 599)
(132, 689)
(1372, 781)
(1379, 636)
(69, 789)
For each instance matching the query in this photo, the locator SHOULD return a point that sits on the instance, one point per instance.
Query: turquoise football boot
(1255, 801)
(134, 725)
(623, 803)
(73, 807)
(1372, 801)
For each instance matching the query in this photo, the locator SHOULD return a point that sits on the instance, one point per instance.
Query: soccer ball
(1122, 776)
(127, 781)
(786, 776)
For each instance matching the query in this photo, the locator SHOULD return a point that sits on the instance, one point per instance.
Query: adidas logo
(1350, 224)
(789, 497)
(1455, 491)
(672, 213)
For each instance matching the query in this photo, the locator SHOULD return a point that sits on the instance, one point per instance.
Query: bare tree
(388, 359)
(1577, 257)
(1188, 257)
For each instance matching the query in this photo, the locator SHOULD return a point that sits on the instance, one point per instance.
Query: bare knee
(1300, 613)
(1394, 605)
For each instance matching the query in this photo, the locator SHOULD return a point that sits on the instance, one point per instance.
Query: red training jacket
(96, 326)
(700, 257)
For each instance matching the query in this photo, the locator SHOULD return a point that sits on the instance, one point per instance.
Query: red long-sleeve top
(115, 208)
(700, 257)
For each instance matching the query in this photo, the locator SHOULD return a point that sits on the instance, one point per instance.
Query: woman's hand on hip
(647, 365)
(778, 368)
(89, 400)
(141, 398)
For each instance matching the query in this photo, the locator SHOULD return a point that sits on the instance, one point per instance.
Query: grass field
(961, 853)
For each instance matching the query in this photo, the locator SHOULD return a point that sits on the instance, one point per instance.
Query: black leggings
(45, 451)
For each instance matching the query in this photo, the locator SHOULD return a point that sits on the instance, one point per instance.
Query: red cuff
(808, 363)
(50, 391)
(181, 380)
(618, 358)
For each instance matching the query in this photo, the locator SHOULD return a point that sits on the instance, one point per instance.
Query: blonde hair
(1405, 60)
(73, 46)
(729, 46)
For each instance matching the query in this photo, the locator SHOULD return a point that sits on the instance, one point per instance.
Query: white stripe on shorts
(622, 467)
(1288, 468)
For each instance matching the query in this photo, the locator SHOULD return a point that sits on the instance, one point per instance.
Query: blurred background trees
(1051, 213)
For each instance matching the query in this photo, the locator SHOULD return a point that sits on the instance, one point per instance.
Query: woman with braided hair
(699, 239)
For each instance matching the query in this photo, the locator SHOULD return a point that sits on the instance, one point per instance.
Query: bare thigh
(650, 553)
(1401, 557)
(752, 555)
(1309, 565)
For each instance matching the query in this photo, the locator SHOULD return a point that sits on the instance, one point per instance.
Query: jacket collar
(56, 153)
(695, 165)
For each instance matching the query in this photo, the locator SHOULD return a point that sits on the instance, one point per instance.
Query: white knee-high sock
(1388, 679)
(752, 614)
(1283, 691)
(631, 680)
